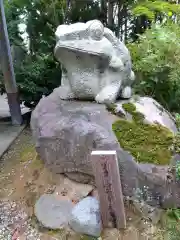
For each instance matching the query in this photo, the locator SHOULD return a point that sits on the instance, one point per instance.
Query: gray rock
(152, 111)
(52, 212)
(65, 134)
(85, 217)
(73, 190)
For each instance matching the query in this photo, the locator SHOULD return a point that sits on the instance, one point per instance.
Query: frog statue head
(95, 64)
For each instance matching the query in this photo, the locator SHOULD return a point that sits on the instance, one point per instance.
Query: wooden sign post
(107, 177)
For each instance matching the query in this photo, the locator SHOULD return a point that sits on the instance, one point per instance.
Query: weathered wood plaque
(107, 177)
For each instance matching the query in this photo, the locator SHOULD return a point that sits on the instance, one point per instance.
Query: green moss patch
(111, 107)
(86, 237)
(129, 107)
(147, 143)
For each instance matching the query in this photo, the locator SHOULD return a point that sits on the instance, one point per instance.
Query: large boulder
(66, 132)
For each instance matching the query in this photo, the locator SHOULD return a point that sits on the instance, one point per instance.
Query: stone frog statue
(95, 64)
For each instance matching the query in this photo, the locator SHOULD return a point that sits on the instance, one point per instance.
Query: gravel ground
(14, 223)
(15, 220)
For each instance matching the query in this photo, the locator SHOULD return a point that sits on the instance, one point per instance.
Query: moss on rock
(86, 237)
(129, 107)
(147, 143)
(111, 107)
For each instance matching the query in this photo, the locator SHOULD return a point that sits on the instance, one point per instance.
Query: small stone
(52, 212)
(85, 217)
(72, 190)
(50, 189)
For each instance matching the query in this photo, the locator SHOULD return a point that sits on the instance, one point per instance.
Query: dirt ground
(24, 178)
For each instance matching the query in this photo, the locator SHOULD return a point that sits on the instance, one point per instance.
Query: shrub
(36, 77)
(156, 61)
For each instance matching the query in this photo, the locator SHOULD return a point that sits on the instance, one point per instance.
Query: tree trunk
(125, 24)
(120, 20)
(110, 14)
(103, 15)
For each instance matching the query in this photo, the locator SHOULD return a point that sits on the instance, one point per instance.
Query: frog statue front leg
(118, 87)
(108, 94)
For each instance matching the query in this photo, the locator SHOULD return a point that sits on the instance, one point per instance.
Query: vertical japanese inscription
(107, 185)
(107, 177)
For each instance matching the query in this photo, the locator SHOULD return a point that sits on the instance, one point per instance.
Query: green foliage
(37, 77)
(177, 170)
(151, 9)
(177, 118)
(142, 10)
(38, 74)
(156, 61)
(176, 143)
(84, 11)
(42, 19)
(147, 143)
(13, 19)
(157, 68)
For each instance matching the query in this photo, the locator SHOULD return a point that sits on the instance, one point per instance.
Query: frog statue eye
(96, 30)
